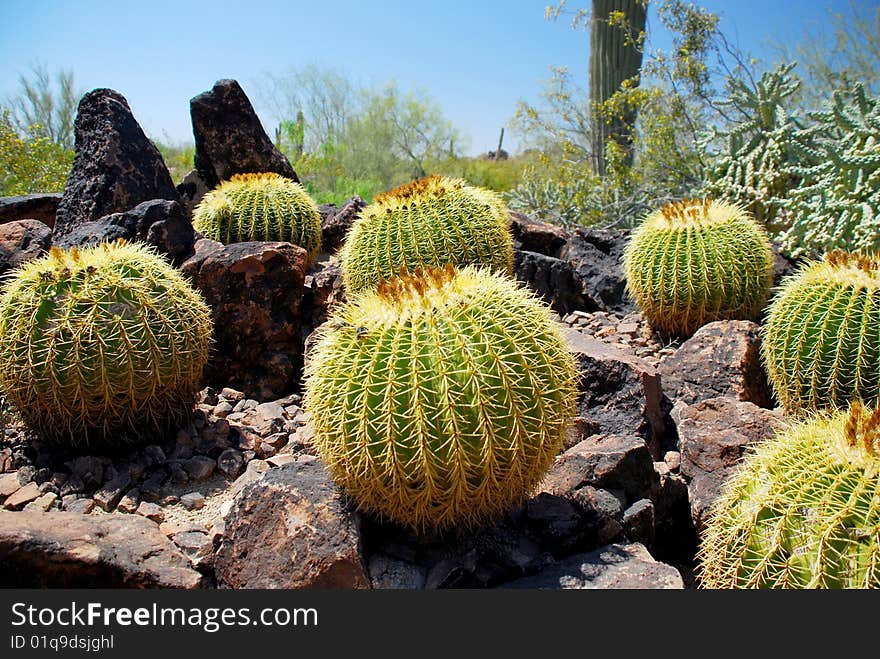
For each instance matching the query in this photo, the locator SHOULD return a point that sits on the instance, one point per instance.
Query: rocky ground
(236, 499)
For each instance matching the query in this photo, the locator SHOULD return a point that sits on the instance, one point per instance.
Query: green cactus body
(101, 344)
(440, 400)
(260, 207)
(427, 223)
(803, 511)
(696, 261)
(821, 343)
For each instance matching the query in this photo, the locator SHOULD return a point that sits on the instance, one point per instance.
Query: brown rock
(612, 462)
(627, 566)
(151, 511)
(335, 223)
(619, 392)
(291, 529)
(254, 290)
(230, 138)
(23, 495)
(21, 241)
(41, 207)
(721, 359)
(69, 550)
(714, 435)
(535, 236)
(9, 483)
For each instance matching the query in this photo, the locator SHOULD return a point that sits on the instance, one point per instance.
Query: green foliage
(430, 222)
(751, 170)
(101, 344)
(821, 345)
(41, 109)
(32, 163)
(260, 207)
(659, 162)
(694, 262)
(179, 158)
(836, 203)
(440, 400)
(802, 511)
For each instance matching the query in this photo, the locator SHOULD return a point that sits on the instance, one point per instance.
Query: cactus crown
(423, 224)
(103, 343)
(440, 398)
(695, 261)
(820, 343)
(801, 511)
(260, 206)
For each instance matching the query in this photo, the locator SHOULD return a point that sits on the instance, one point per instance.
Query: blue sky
(475, 58)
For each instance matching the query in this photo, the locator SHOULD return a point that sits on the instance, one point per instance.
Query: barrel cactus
(427, 223)
(260, 207)
(101, 344)
(802, 511)
(821, 344)
(440, 400)
(696, 261)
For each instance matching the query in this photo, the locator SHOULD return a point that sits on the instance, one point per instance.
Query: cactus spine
(696, 261)
(821, 342)
(440, 400)
(104, 343)
(427, 223)
(802, 511)
(260, 207)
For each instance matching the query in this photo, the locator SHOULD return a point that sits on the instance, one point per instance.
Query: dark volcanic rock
(335, 223)
(41, 207)
(157, 222)
(254, 290)
(71, 550)
(115, 167)
(620, 392)
(22, 240)
(596, 258)
(191, 190)
(610, 462)
(533, 236)
(615, 566)
(229, 137)
(551, 278)
(291, 529)
(714, 435)
(721, 359)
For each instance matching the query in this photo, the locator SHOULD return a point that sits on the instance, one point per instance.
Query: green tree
(32, 162)
(44, 108)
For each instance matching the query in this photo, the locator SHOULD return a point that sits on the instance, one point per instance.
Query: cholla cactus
(836, 205)
(423, 224)
(440, 399)
(820, 345)
(696, 261)
(802, 511)
(101, 344)
(751, 168)
(260, 207)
